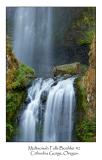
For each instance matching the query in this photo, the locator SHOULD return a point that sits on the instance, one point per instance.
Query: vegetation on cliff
(82, 28)
(86, 101)
(82, 33)
(19, 77)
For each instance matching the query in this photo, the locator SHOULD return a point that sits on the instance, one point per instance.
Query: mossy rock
(23, 77)
(71, 69)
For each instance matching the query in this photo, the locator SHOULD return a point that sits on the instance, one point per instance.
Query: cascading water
(30, 117)
(59, 112)
(33, 38)
(49, 114)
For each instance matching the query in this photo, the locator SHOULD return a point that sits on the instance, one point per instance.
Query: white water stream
(56, 117)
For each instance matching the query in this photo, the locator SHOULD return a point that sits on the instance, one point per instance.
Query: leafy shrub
(86, 130)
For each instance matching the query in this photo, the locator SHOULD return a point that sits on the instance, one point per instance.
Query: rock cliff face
(86, 100)
(19, 76)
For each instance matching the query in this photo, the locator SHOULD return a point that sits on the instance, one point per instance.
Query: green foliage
(83, 27)
(14, 101)
(10, 130)
(86, 130)
(83, 68)
(87, 26)
(88, 37)
(23, 76)
(87, 18)
(81, 96)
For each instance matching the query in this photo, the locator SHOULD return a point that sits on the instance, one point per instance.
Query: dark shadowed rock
(27, 101)
(55, 83)
(44, 97)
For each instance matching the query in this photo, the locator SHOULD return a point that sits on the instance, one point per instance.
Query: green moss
(9, 130)
(23, 76)
(14, 101)
(83, 68)
(85, 128)
(72, 69)
(83, 27)
(87, 27)
(88, 37)
(81, 96)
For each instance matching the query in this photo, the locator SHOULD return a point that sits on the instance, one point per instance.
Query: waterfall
(49, 113)
(33, 37)
(29, 118)
(58, 117)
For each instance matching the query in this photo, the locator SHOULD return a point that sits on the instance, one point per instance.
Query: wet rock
(27, 101)
(66, 76)
(54, 84)
(44, 97)
(41, 112)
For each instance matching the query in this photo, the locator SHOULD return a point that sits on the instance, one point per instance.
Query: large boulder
(71, 69)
